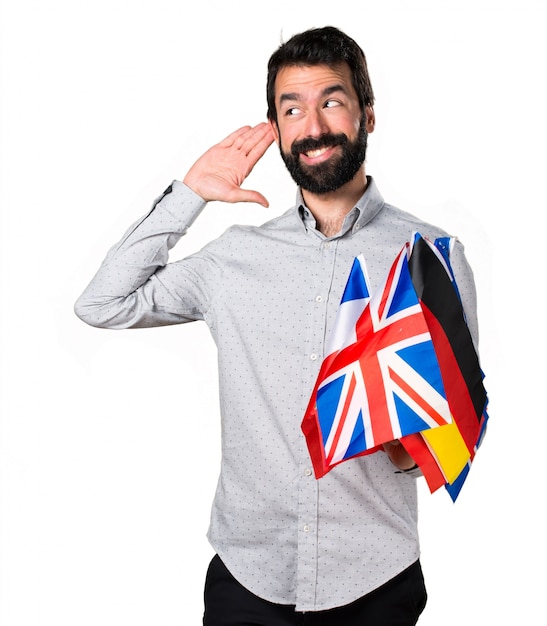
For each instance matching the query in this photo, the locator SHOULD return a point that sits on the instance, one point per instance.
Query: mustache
(316, 143)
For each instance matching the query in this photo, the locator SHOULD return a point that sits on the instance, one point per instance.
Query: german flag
(444, 454)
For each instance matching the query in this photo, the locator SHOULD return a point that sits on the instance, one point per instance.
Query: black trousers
(397, 603)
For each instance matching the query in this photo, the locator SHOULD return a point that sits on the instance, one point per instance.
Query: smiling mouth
(313, 154)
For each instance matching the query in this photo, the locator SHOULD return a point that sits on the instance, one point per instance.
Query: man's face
(321, 132)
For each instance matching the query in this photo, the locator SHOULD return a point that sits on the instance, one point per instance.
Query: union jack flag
(401, 364)
(380, 380)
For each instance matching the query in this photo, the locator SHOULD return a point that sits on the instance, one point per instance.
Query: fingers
(263, 139)
(232, 137)
(219, 173)
(250, 139)
(391, 444)
(245, 147)
(248, 195)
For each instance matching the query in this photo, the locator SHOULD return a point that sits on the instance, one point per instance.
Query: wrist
(408, 469)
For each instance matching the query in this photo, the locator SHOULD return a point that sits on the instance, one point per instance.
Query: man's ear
(275, 130)
(371, 119)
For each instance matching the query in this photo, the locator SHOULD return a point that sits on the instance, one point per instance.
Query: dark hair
(320, 46)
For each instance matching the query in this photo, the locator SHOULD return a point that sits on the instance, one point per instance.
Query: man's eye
(331, 103)
(291, 111)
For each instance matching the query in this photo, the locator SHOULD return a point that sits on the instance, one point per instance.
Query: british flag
(401, 364)
(380, 380)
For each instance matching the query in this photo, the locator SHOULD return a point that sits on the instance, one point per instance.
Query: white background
(109, 448)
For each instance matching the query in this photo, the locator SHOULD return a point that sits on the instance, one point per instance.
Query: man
(291, 549)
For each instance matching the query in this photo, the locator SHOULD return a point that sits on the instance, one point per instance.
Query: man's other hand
(219, 173)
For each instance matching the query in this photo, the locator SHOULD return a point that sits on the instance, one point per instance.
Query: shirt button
(306, 528)
(326, 244)
(308, 472)
(313, 357)
(319, 299)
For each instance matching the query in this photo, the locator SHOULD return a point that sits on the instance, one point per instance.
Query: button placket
(308, 485)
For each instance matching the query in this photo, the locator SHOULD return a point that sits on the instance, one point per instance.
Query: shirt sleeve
(135, 286)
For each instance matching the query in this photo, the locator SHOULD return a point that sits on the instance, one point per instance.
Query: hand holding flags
(401, 365)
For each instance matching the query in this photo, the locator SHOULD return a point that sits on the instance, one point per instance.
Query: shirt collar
(366, 208)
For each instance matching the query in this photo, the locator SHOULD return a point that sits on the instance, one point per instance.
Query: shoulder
(242, 240)
(394, 216)
(281, 224)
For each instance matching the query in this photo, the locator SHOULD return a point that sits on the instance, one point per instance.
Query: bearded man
(290, 549)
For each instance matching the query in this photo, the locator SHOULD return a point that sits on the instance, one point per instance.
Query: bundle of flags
(401, 365)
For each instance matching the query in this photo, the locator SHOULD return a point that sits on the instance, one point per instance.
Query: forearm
(125, 291)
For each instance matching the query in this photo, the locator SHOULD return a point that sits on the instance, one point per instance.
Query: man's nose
(316, 124)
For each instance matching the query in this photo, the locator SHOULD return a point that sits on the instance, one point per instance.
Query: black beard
(332, 174)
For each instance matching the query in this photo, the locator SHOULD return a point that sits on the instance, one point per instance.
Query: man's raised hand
(219, 173)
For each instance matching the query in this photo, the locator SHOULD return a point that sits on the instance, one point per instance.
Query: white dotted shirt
(269, 295)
